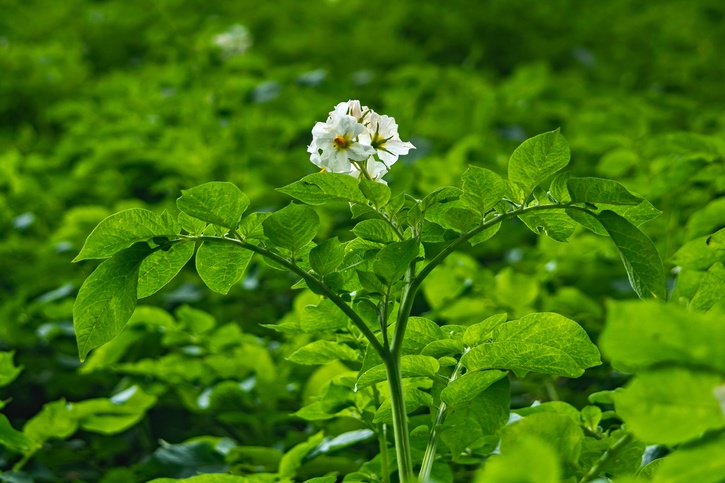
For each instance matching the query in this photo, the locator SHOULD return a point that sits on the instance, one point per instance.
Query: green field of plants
(393, 242)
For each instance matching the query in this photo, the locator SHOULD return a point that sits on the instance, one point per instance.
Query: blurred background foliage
(106, 105)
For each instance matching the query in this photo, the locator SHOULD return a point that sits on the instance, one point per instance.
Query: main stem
(400, 420)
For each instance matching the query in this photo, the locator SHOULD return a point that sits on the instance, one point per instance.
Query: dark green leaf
(441, 195)
(392, 261)
(218, 202)
(327, 256)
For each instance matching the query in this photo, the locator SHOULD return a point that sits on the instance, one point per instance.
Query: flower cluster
(358, 141)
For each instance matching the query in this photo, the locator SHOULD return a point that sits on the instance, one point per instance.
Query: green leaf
(547, 343)
(322, 352)
(482, 188)
(378, 193)
(410, 366)
(114, 415)
(529, 460)
(123, 229)
(393, 260)
(711, 290)
(717, 240)
(221, 264)
(161, 266)
(681, 397)
(375, 230)
(327, 256)
(191, 225)
(453, 215)
(418, 333)
(319, 188)
(13, 439)
(55, 420)
(700, 462)
(414, 399)
(209, 478)
(480, 416)
(557, 225)
(441, 195)
(341, 441)
(293, 227)
(559, 189)
(8, 370)
(484, 235)
(107, 299)
(217, 202)
(441, 348)
(323, 316)
(251, 228)
(639, 255)
(469, 385)
(559, 431)
(537, 159)
(481, 332)
(706, 220)
(697, 254)
(292, 459)
(641, 334)
(637, 215)
(197, 321)
(600, 190)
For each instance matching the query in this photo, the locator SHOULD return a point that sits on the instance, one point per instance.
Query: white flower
(382, 134)
(375, 169)
(234, 41)
(353, 108)
(335, 143)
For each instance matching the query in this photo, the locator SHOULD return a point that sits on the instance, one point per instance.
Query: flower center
(341, 142)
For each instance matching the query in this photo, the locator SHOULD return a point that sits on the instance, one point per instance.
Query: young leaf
(681, 396)
(319, 188)
(107, 299)
(123, 229)
(217, 202)
(161, 266)
(599, 190)
(327, 256)
(547, 343)
(221, 265)
(292, 227)
(537, 159)
(482, 188)
(392, 261)
(322, 352)
(469, 385)
(639, 255)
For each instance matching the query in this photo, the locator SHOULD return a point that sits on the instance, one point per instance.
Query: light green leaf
(414, 399)
(529, 460)
(209, 478)
(557, 225)
(319, 188)
(217, 202)
(482, 189)
(441, 195)
(322, 352)
(717, 240)
(410, 366)
(221, 264)
(559, 189)
(697, 254)
(197, 321)
(251, 228)
(191, 225)
(481, 332)
(700, 462)
(558, 407)
(469, 385)
(639, 255)
(600, 190)
(107, 299)
(637, 215)
(327, 256)
(123, 229)
(114, 415)
(712, 289)
(706, 220)
(640, 334)
(392, 261)
(681, 397)
(161, 266)
(293, 458)
(538, 158)
(484, 235)
(377, 193)
(418, 333)
(473, 419)
(558, 430)
(547, 343)
(55, 420)
(13, 439)
(454, 215)
(341, 441)
(8, 370)
(441, 348)
(375, 230)
(292, 227)
(323, 316)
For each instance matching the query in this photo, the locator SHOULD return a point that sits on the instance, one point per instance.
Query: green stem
(608, 456)
(430, 450)
(382, 441)
(310, 279)
(400, 420)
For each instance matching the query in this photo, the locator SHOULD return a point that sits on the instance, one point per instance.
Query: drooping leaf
(393, 260)
(538, 158)
(292, 227)
(319, 188)
(681, 396)
(600, 190)
(547, 343)
(410, 366)
(482, 189)
(639, 255)
(217, 202)
(161, 266)
(107, 299)
(322, 352)
(469, 386)
(221, 264)
(123, 229)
